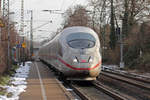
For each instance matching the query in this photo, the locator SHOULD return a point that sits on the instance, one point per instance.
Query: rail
(129, 80)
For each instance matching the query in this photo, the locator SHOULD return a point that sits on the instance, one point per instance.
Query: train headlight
(90, 60)
(75, 60)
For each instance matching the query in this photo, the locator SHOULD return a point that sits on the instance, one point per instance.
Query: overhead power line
(73, 3)
(62, 5)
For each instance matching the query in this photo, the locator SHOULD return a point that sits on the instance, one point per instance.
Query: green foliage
(10, 94)
(131, 56)
(146, 59)
(2, 91)
(145, 37)
(144, 63)
(4, 80)
(146, 45)
(112, 42)
(12, 70)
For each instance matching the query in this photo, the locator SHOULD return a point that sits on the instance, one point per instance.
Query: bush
(12, 70)
(146, 58)
(145, 62)
(131, 56)
(112, 56)
(4, 80)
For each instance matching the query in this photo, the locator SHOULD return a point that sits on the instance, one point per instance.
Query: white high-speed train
(75, 53)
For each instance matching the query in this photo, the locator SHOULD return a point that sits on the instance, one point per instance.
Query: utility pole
(22, 29)
(0, 17)
(31, 34)
(121, 51)
(6, 18)
(0, 8)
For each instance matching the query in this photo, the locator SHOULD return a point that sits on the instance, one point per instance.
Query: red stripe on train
(78, 68)
(68, 65)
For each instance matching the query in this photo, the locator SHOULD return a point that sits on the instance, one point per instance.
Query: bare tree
(76, 17)
(4, 46)
(112, 23)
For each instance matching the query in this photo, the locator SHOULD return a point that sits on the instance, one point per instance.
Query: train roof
(75, 29)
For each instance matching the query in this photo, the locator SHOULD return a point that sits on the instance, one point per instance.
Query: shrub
(131, 56)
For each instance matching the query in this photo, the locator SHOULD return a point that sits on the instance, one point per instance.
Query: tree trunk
(112, 34)
(125, 19)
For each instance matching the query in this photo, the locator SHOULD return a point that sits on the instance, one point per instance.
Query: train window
(81, 40)
(81, 43)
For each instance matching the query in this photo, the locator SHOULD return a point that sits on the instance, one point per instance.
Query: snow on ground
(109, 67)
(18, 83)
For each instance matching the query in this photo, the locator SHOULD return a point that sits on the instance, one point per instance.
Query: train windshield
(81, 40)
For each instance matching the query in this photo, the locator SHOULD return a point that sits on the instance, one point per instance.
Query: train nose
(86, 65)
(83, 62)
(83, 59)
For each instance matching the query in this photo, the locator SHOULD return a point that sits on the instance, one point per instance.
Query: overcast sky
(42, 17)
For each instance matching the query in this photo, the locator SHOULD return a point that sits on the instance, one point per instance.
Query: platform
(42, 85)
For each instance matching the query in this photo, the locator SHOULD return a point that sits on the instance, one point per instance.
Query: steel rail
(114, 94)
(79, 93)
(131, 77)
(128, 80)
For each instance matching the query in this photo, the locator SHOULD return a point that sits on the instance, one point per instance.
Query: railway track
(97, 91)
(129, 75)
(131, 86)
(144, 84)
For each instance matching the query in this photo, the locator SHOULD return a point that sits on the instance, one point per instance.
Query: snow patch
(18, 83)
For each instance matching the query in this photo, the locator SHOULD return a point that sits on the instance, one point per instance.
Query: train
(74, 53)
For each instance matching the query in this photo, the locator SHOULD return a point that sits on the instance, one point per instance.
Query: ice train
(75, 53)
